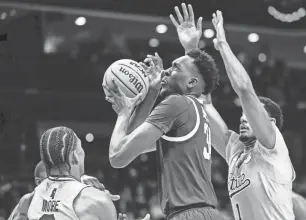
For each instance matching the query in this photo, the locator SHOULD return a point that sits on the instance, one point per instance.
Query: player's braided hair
(55, 147)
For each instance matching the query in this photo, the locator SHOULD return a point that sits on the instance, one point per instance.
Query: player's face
(177, 77)
(246, 132)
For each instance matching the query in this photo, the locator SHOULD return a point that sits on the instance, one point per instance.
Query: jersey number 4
(207, 147)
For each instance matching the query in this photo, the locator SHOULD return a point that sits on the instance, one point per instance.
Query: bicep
(219, 131)
(258, 118)
(141, 140)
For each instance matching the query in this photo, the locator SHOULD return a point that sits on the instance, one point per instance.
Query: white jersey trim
(190, 134)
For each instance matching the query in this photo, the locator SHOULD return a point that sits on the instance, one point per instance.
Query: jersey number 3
(207, 147)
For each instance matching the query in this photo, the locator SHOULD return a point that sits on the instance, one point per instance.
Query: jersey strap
(191, 133)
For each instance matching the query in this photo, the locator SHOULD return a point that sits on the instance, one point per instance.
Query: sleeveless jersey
(262, 187)
(183, 154)
(53, 199)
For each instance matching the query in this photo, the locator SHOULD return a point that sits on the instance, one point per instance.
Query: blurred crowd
(137, 183)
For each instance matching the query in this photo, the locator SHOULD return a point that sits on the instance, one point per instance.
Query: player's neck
(64, 173)
(192, 93)
(249, 144)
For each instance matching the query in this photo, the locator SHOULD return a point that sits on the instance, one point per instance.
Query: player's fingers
(147, 60)
(115, 108)
(120, 216)
(115, 197)
(185, 12)
(100, 185)
(147, 217)
(106, 87)
(191, 14)
(157, 55)
(111, 92)
(174, 22)
(144, 66)
(138, 99)
(117, 88)
(179, 15)
(125, 217)
(199, 24)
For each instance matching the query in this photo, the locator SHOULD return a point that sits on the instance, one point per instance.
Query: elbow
(116, 161)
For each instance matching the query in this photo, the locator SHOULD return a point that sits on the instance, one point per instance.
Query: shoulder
(25, 202)
(95, 203)
(279, 150)
(176, 100)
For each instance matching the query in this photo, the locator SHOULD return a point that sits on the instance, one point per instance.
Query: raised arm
(254, 110)
(189, 36)
(219, 131)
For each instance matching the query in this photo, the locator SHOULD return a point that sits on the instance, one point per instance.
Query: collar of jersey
(61, 178)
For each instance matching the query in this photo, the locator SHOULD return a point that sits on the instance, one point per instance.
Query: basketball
(129, 76)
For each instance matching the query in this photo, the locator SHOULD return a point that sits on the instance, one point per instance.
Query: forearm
(143, 110)
(238, 76)
(119, 135)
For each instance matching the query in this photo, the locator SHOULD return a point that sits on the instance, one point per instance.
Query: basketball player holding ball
(179, 124)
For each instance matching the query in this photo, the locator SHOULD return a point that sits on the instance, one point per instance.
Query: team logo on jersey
(248, 159)
(236, 184)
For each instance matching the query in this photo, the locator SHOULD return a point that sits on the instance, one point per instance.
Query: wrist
(223, 44)
(190, 47)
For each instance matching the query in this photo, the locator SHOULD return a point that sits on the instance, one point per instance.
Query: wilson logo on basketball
(139, 67)
(132, 79)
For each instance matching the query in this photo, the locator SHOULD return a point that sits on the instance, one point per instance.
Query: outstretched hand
(217, 21)
(121, 104)
(189, 34)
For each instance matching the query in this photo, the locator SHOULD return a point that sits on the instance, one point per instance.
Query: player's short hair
(40, 168)
(273, 110)
(207, 68)
(55, 146)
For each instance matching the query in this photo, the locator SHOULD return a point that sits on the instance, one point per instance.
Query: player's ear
(273, 120)
(74, 158)
(37, 181)
(192, 82)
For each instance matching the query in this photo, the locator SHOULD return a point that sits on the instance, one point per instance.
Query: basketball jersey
(262, 187)
(53, 199)
(183, 153)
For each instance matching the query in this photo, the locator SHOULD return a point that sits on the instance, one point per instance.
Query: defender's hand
(189, 35)
(218, 25)
(93, 181)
